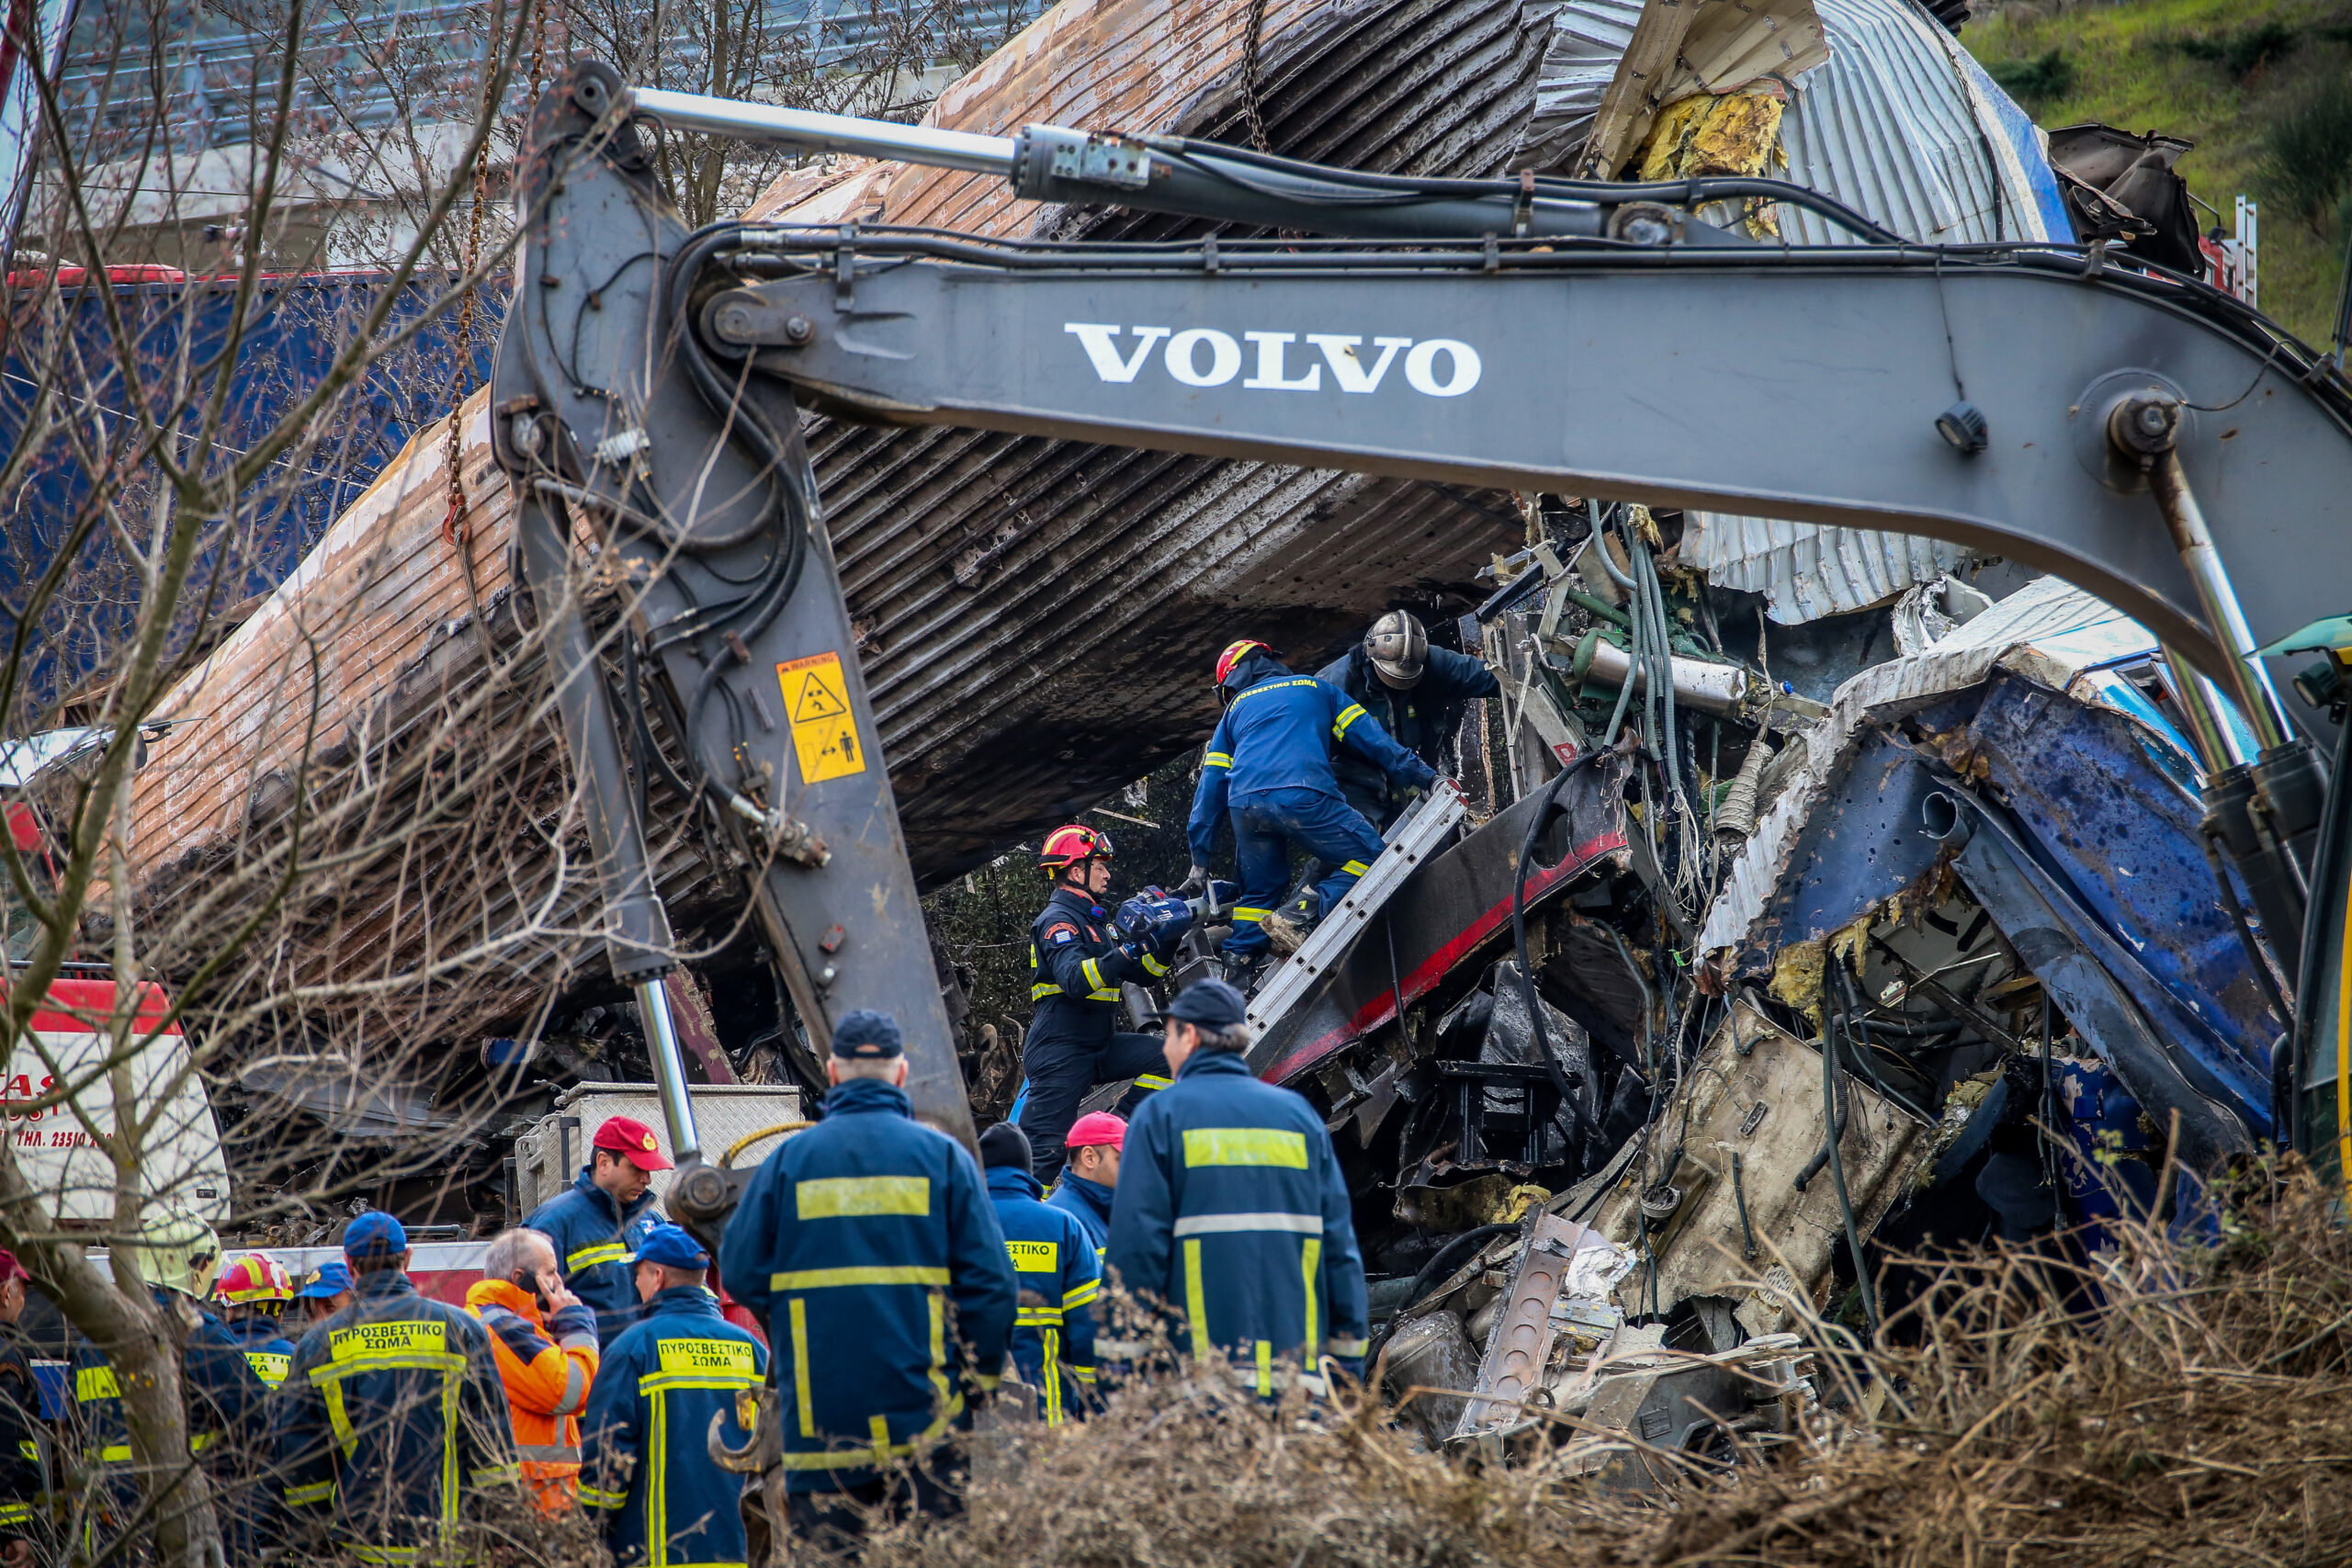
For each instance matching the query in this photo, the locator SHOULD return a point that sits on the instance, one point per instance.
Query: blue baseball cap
(1212, 1004)
(868, 1036)
(672, 1247)
(374, 1234)
(324, 1283)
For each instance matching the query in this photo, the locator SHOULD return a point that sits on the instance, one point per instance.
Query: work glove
(1196, 882)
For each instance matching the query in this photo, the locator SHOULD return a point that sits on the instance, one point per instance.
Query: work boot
(1287, 927)
(1243, 972)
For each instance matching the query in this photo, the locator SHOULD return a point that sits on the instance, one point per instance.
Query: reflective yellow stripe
(14, 1513)
(1151, 1080)
(589, 1256)
(877, 1428)
(1084, 1292)
(1309, 1256)
(800, 1394)
(1153, 966)
(1196, 1300)
(95, 1383)
(1037, 1317)
(596, 1499)
(861, 1197)
(1092, 970)
(1342, 1345)
(1348, 716)
(858, 1459)
(1084, 1374)
(30, 1449)
(883, 1274)
(387, 1553)
(940, 1388)
(1265, 1369)
(1245, 1145)
(1355, 868)
(115, 1453)
(1241, 912)
(1216, 759)
(304, 1496)
(1041, 991)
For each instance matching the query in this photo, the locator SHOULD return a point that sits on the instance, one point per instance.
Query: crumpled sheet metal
(1732, 44)
(2049, 631)
(1903, 126)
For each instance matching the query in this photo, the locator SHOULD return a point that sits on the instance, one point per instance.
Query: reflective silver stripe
(1218, 1224)
(575, 1388)
(547, 1453)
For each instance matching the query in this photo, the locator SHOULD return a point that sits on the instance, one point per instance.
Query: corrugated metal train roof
(1037, 617)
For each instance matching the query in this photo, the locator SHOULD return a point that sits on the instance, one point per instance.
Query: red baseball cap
(625, 1135)
(1097, 1128)
(10, 1268)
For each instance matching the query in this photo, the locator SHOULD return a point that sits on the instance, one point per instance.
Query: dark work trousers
(831, 1528)
(1264, 829)
(1064, 1061)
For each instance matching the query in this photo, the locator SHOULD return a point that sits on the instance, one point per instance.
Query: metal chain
(455, 527)
(1250, 75)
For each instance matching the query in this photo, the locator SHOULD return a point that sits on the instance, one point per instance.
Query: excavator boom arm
(1589, 340)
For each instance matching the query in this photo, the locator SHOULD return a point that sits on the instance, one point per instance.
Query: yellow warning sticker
(824, 730)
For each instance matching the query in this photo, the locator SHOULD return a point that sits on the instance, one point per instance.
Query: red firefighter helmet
(252, 1279)
(1235, 655)
(1067, 847)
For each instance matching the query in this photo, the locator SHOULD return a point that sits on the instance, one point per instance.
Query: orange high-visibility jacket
(548, 1368)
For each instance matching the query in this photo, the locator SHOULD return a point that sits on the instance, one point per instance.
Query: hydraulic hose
(1434, 1270)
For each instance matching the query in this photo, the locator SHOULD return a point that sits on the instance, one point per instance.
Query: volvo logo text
(1204, 357)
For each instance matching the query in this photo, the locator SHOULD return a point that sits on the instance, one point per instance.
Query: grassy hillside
(2246, 80)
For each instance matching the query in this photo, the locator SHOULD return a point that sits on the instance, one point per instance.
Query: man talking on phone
(544, 1338)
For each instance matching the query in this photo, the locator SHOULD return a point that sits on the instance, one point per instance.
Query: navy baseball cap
(1211, 1004)
(868, 1036)
(324, 1283)
(672, 1247)
(374, 1234)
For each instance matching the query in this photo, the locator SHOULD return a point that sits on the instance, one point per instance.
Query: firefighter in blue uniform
(644, 1458)
(1052, 1337)
(176, 1256)
(1418, 692)
(252, 1289)
(1231, 1211)
(1269, 765)
(598, 1222)
(1076, 963)
(1091, 1176)
(392, 1416)
(24, 1439)
(869, 1247)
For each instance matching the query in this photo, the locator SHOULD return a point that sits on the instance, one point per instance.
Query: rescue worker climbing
(1052, 1337)
(1075, 964)
(1091, 1176)
(1232, 1212)
(1418, 692)
(391, 1416)
(252, 1292)
(1269, 765)
(598, 1222)
(544, 1340)
(646, 1459)
(868, 1246)
(176, 1256)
